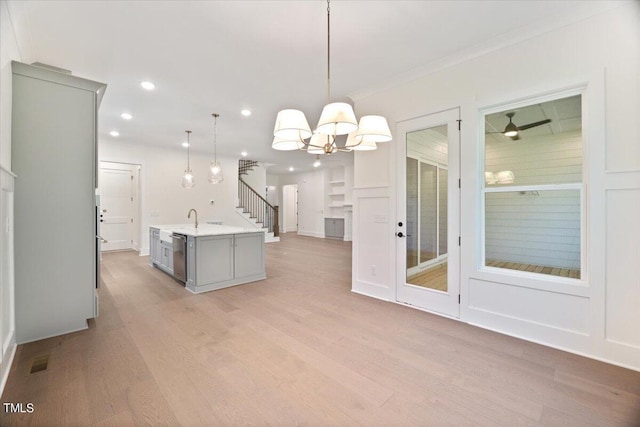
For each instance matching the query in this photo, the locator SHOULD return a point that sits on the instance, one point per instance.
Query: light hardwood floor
(300, 348)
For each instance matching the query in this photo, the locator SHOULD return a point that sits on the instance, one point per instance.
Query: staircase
(254, 208)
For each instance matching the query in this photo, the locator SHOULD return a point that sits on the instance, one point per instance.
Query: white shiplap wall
(535, 227)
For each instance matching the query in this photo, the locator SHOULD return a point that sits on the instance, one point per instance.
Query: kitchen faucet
(189, 215)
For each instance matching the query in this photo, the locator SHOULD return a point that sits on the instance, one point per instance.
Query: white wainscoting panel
(623, 267)
(569, 313)
(373, 244)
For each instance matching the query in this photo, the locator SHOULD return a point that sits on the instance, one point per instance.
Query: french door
(428, 212)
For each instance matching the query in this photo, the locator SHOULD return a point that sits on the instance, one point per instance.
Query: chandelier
(215, 170)
(292, 130)
(187, 179)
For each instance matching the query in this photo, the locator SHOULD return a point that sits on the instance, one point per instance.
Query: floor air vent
(39, 364)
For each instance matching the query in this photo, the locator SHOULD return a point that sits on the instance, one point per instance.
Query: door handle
(400, 234)
(103, 239)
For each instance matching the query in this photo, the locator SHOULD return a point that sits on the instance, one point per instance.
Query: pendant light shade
(291, 125)
(359, 143)
(374, 129)
(215, 175)
(187, 179)
(337, 118)
(284, 144)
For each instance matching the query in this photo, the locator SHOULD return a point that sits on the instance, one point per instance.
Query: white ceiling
(223, 56)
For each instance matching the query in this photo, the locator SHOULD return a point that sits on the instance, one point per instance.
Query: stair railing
(258, 208)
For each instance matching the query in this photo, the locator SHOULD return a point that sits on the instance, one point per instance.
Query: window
(533, 188)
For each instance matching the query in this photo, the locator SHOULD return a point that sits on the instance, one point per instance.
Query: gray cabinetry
(249, 255)
(166, 256)
(220, 261)
(160, 252)
(54, 150)
(334, 228)
(154, 246)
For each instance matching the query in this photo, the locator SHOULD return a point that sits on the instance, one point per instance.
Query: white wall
(164, 201)
(257, 179)
(596, 317)
(311, 197)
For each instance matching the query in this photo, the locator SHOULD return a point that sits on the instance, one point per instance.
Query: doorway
(429, 213)
(290, 208)
(119, 206)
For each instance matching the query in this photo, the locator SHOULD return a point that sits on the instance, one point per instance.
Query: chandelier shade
(292, 125)
(337, 118)
(374, 129)
(357, 142)
(285, 144)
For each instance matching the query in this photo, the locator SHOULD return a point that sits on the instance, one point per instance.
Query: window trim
(483, 189)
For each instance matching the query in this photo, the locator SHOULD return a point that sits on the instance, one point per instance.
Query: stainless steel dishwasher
(179, 257)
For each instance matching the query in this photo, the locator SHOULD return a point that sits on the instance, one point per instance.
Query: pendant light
(215, 170)
(337, 118)
(187, 179)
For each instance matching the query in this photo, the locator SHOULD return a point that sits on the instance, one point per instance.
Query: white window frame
(581, 187)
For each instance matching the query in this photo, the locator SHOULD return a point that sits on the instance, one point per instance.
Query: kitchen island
(213, 257)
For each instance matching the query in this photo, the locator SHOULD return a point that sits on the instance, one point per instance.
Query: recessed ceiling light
(148, 85)
(245, 112)
(291, 169)
(316, 163)
(185, 144)
(114, 133)
(126, 116)
(244, 154)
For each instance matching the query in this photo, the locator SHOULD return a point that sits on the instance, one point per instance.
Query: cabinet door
(167, 251)
(328, 227)
(154, 249)
(169, 263)
(214, 262)
(339, 228)
(249, 255)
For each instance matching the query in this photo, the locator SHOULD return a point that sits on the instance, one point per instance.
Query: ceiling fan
(513, 131)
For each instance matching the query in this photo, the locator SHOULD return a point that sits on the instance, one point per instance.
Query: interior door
(116, 209)
(428, 212)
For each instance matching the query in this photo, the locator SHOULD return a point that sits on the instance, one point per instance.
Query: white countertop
(203, 229)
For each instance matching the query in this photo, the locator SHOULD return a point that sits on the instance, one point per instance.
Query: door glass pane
(442, 210)
(412, 213)
(428, 212)
(427, 158)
